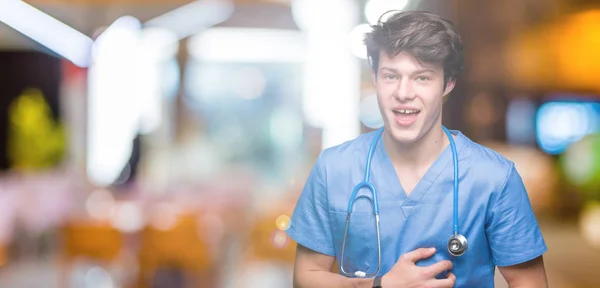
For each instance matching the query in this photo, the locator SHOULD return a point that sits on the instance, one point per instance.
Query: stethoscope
(457, 244)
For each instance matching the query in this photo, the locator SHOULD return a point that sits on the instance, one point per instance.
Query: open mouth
(406, 111)
(405, 117)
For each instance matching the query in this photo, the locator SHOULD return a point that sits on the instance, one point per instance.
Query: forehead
(405, 62)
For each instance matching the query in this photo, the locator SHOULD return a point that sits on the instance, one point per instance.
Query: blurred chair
(3, 254)
(268, 242)
(175, 253)
(91, 240)
(268, 252)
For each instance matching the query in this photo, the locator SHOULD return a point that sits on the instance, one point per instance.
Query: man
(416, 57)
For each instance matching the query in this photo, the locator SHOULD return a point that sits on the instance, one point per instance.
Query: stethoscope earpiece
(457, 245)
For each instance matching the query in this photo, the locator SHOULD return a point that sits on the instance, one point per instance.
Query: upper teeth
(406, 111)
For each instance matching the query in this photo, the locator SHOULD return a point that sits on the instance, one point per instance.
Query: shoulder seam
(322, 175)
(510, 171)
(505, 182)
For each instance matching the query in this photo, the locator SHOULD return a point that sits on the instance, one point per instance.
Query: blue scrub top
(495, 214)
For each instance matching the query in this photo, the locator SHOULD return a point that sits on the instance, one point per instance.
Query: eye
(423, 78)
(389, 77)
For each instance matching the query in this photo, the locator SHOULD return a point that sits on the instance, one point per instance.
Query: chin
(404, 135)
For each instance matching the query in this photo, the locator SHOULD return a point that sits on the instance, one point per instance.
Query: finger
(443, 283)
(448, 282)
(438, 268)
(451, 277)
(418, 254)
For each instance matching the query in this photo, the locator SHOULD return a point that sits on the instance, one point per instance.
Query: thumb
(418, 254)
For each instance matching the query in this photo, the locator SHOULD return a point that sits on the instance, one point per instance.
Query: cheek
(432, 97)
(381, 102)
(385, 92)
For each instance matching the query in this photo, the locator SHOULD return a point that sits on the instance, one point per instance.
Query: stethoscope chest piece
(457, 245)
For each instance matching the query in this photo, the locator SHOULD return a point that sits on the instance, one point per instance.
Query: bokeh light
(279, 239)
(370, 115)
(376, 8)
(560, 124)
(98, 278)
(590, 223)
(356, 40)
(159, 44)
(581, 165)
(100, 204)
(580, 31)
(127, 217)
(164, 216)
(314, 15)
(112, 100)
(282, 222)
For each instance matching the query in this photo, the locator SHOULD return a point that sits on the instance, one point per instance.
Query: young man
(416, 57)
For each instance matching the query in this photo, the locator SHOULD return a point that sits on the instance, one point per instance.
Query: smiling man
(449, 210)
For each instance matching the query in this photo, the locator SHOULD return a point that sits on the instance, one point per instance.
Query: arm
(310, 227)
(313, 269)
(531, 274)
(515, 239)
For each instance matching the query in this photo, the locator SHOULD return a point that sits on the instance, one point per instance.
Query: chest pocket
(360, 252)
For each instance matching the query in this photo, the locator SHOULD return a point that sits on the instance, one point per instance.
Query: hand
(406, 274)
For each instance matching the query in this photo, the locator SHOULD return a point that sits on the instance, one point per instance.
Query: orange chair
(270, 245)
(3, 255)
(268, 242)
(180, 247)
(97, 241)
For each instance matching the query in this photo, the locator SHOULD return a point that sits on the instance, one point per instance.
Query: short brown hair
(426, 36)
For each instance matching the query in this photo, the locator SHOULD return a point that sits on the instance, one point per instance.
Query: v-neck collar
(392, 184)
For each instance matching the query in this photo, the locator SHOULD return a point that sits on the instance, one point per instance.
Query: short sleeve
(309, 225)
(512, 229)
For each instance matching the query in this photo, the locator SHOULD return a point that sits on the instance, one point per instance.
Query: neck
(417, 154)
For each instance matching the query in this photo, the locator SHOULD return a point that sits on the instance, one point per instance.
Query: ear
(449, 86)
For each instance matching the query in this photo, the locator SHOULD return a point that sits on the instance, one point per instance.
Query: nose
(405, 91)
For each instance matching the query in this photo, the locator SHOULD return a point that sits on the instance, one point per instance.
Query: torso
(420, 218)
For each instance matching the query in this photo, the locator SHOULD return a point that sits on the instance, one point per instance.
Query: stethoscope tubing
(375, 202)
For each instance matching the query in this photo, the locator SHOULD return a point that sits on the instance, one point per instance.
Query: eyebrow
(414, 73)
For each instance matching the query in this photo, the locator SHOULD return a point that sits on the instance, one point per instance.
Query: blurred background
(164, 143)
